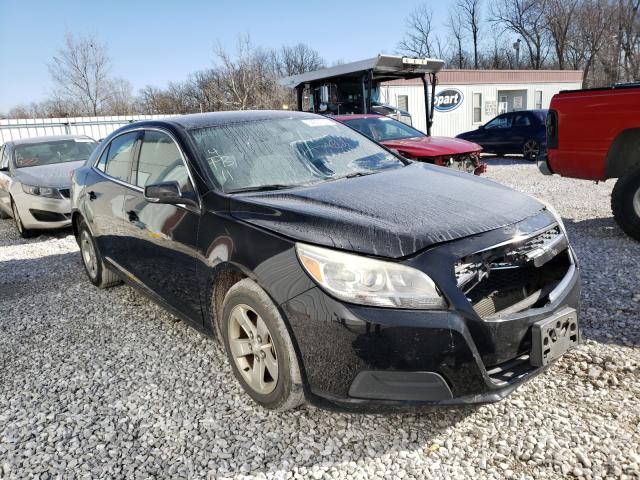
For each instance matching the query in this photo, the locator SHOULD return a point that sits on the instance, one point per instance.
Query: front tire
(259, 348)
(625, 203)
(97, 271)
(24, 232)
(531, 150)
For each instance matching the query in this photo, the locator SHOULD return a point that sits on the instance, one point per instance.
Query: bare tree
(589, 32)
(419, 37)
(454, 26)
(629, 38)
(300, 58)
(471, 16)
(525, 18)
(120, 99)
(559, 16)
(80, 72)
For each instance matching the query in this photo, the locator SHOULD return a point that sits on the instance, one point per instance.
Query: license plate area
(553, 336)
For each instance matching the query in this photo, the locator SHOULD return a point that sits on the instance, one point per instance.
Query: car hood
(432, 146)
(389, 214)
(55, 175)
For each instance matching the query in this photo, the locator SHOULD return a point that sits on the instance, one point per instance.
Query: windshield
(57, 151)
(383, 128)
(282, 153)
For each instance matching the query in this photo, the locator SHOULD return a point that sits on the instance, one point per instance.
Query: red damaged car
(415, 145)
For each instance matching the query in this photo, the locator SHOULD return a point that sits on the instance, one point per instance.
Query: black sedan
(513, 133)
(331, 269)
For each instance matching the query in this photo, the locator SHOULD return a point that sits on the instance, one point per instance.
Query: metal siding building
(492, 91)
(94, 127)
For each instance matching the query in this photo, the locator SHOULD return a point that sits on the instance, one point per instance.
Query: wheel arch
(76, 218)
(624, 154)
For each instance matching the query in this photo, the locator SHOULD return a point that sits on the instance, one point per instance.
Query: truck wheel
(625, 203)
(531, 150)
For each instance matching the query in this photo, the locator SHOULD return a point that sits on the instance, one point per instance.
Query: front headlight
(555, 214)
(48, 192)
(367, 281)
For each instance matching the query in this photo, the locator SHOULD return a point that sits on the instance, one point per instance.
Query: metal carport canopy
(383, 67)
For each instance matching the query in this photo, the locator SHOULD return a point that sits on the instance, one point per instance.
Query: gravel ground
(106, 384)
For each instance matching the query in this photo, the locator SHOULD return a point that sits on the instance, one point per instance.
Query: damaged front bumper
(364, 358)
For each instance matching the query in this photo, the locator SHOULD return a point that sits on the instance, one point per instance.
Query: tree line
(600, 37)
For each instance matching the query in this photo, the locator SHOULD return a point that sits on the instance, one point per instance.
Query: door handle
(133, 216)
(92, 195)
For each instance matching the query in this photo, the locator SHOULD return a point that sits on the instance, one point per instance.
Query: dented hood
(390, 214)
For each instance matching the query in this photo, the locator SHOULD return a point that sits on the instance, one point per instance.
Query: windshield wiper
(262, 188)
(358, 174)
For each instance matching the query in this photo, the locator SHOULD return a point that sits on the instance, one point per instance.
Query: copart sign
(448, 100)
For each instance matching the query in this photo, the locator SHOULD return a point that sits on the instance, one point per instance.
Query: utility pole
(516, 45)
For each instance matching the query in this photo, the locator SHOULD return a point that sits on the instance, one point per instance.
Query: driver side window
(503, 121)
(160, 161)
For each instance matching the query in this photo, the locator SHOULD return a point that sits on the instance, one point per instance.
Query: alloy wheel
(636, 202)
(253, 350)
(89, 256)
(530, 150)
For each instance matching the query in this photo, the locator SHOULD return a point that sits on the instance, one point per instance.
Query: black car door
(521, 130)
(495, 134)
(161, 243)
(103, 196)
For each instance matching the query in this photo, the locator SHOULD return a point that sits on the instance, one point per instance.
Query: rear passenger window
(119, 156)
(160, 161)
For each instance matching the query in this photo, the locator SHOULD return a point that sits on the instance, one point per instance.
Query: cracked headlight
(367, 281)
(48, 192)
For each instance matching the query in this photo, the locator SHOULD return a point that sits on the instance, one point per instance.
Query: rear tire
(97, 271)
(259, 348)
(24, 232)
(625, 203)
(531, 150)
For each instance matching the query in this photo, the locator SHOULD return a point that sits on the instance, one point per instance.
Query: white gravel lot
(106, 384)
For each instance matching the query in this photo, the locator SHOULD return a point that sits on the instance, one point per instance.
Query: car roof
(50, 138)
(200, 120)
(356, 116)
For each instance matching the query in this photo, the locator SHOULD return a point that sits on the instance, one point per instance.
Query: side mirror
(168, 193)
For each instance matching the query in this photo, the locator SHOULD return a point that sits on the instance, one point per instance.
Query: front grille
(515, 276)
(65, 192)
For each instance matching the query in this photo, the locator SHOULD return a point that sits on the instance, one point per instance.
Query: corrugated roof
(467, 77)
(383, 65)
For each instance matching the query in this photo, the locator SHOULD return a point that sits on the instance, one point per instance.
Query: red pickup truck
(594, 134)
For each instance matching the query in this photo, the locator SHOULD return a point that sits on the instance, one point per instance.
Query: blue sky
(154, 42)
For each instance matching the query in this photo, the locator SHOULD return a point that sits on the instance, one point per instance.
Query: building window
(403, 102)
(538, 99)
(477, 108)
